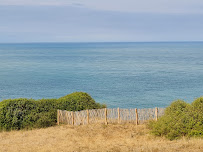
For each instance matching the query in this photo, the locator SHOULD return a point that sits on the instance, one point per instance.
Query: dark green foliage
(14, 113)
(22, 113)
(180, 119)
(78, 101)
(197, 117)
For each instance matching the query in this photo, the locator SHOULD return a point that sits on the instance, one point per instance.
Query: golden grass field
(95, 137)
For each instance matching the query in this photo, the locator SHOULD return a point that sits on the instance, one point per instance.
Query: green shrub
(45, 113)
(14, 113)
(180, 119)
(196, 114)
(23, 113)
(198, 105)
(78, 101)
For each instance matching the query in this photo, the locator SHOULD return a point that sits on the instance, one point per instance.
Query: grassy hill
(94, 137)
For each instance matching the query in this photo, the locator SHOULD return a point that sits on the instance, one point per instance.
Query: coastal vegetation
(25, 113)
(180, 119)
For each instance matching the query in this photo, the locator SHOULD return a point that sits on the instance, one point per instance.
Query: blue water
(125, 75)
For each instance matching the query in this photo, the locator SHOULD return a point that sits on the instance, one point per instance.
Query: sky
(100, 21)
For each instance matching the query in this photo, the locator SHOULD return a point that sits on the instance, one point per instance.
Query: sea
(120, 74)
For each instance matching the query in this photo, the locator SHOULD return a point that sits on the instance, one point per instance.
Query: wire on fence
(115, 115)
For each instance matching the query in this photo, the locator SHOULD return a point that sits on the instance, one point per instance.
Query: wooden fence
(105, 115)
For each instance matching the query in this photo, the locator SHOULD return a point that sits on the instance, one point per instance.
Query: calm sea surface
(125, 75)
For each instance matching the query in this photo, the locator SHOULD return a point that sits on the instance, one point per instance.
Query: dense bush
(196, 114)
(180, 119)
(78, 101)
(14, 114)
(29, 113)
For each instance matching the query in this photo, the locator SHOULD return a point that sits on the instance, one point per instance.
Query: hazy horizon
(100, 21)
(103, 42)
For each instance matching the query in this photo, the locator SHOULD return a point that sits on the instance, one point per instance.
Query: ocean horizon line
(100, 42)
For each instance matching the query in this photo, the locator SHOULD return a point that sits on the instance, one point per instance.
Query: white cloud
(156, 6)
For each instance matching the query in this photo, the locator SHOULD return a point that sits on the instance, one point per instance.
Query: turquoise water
(125, 75)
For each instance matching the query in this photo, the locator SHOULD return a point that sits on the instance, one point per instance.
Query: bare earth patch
(95, 137)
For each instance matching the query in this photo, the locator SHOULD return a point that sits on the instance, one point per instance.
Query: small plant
(180, 119)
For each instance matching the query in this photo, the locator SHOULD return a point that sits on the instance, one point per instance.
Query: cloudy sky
(100, 20)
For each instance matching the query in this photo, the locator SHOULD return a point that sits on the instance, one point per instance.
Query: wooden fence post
(67, 116)
(87, 116)
(105, 112)
(136, 116)
(72, 118)
(118, 115)
(156, 113)
(57, 117)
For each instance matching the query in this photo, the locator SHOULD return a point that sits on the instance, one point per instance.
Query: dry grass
(96, 137)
